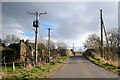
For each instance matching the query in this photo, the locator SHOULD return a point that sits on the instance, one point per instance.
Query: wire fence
(16, 67)
(13, 67)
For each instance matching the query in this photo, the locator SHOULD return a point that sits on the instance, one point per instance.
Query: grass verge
(112, 68)
(9, 69)
(40, 72)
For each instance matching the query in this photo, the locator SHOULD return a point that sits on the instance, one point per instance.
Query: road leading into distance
(79, 67)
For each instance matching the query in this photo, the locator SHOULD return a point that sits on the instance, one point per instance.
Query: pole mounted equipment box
(36, 23)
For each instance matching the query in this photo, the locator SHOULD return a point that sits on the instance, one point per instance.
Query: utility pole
(36, 25)
(73, 46)
(105, 32)
(49, 44)
(102, 46)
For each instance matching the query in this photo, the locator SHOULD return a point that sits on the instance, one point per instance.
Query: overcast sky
(70, 21)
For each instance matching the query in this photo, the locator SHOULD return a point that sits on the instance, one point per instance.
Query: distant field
(79, 52)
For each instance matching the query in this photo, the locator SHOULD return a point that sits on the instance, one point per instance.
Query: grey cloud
(72, 19)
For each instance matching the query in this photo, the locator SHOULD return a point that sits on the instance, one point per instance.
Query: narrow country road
(79, 67)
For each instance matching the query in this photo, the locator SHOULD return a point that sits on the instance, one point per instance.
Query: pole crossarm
(37, 13)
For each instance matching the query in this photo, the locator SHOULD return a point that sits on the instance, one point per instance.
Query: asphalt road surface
(79, 67)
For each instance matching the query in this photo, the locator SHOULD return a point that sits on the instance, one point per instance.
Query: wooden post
(49, 44)
(5, 65)
(36, 25)
(102, 46)
(73, 46)
(110, 53)
(13, 67)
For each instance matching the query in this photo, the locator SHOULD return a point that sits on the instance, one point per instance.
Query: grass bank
(104, 65)
(39, 72)
(9, 69)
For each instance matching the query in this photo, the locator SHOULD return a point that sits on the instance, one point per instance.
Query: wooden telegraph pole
(73, 46)
(105, 32)
(49, 44)
(36, 25)
(102, 46)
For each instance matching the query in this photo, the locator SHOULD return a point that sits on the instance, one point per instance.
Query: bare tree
(61, 45)
(113, 39)
(93, 41)
(45, 42)
(111, 45)
(52, 45)
(11, 39)
(41, 39)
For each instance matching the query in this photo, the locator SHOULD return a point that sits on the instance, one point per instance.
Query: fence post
(5, 65)
(13, 67)
(33, 63)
